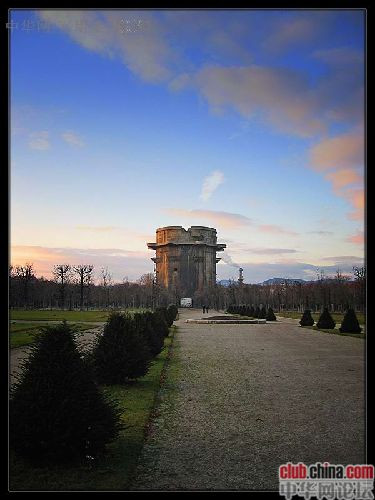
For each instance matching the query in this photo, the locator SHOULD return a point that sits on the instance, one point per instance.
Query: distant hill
(278, 281)
(275, 281)
(225, 282)
(271, 281)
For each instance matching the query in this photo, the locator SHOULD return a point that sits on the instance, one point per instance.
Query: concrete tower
(186, 259)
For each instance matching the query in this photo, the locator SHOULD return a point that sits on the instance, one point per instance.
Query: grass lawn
(114, 471)
(58, 315)
(338, 317)
(22, 334)
(336, 331)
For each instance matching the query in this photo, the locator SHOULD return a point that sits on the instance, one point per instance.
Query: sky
(248, 121)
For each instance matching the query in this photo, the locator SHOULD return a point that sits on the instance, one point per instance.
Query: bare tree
(25, 275)
(359, 273)
(146, 279)
(62, 274)
(341, 288)
(106, 282)
(10, 283)
(321, 280)
(84, 278)
(360, 278)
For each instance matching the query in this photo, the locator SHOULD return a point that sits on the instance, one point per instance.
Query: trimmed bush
(247, 311)
(262, 313)
(172, 311)
(350, 323)
(270, 315)
(154, 339)
(159, 324)
(57, 413)
(166, 315)
(326, 321)
(122, 352)
(307, 319)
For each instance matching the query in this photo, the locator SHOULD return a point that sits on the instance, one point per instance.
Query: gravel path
(239, 400)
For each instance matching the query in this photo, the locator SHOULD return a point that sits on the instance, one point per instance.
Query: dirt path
(240, 400)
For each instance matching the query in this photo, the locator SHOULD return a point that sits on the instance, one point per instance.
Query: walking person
(207, 309)
(204, 309)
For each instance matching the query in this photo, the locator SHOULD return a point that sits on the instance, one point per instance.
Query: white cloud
(295, 29)
(340, 56)
(211, 183)
(72, 138)
(279, 96)
(39, 140)
(135, 37)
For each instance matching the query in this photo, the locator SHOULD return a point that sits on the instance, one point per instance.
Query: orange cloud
(342, 160)
(357, 238)
(97, 229)
(119, 261)
(342, 178)
(292, 31)
(340, 152)
(227, 220)
(224, 219)
(270, 228)
(22, 253)
(357, 198)
(281, 96)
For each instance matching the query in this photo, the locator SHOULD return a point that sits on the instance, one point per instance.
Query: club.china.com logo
(326, 481)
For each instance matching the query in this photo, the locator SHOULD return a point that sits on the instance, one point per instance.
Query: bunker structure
(185, 261)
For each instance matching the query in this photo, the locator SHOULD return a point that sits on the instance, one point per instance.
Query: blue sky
(248, 121)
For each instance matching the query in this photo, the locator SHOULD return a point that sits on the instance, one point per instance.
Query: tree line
(336, 293)
(75, 287)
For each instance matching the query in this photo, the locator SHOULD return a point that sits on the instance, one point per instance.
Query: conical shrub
(326, 321)
(262, 313)
(350, 323)
(270, 315)
(307, 319)
(122, 352)
(57, 413)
